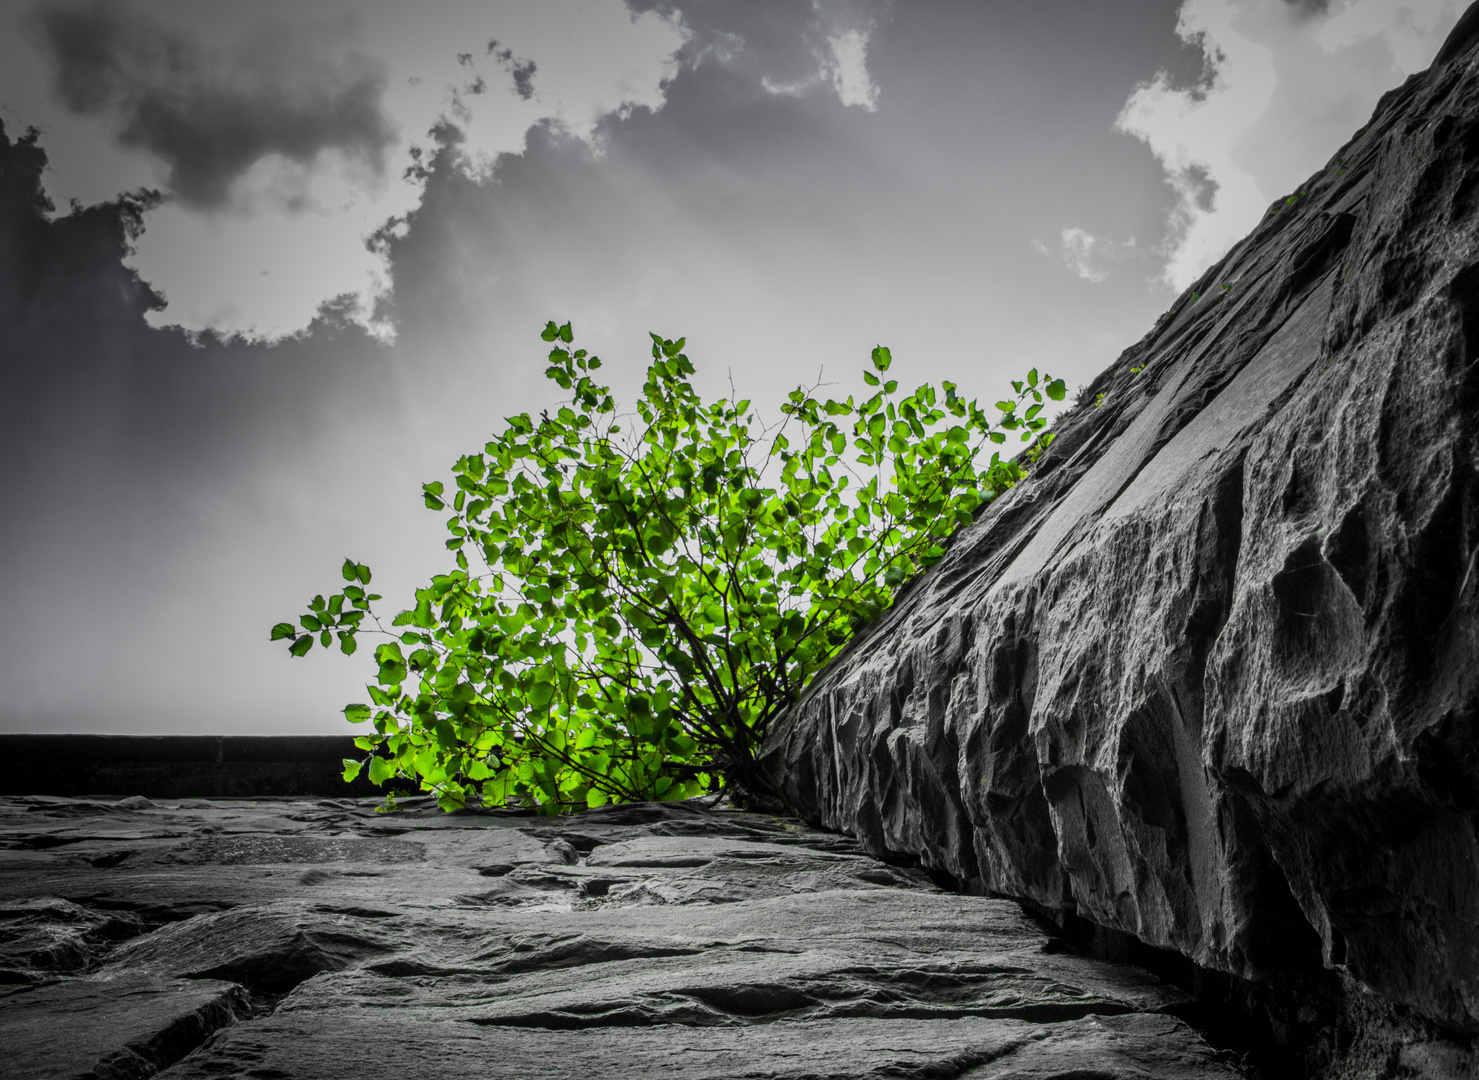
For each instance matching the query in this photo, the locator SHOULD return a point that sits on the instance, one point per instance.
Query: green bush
(637, 597)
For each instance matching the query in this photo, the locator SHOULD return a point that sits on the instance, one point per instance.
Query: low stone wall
(179, 766)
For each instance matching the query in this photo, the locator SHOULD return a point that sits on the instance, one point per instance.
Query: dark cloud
(521, 70)
(1201, 186)
(210, 117)
(1193, 67)
(523, 73)
(79, 359)
(133, 465)
(59, 359)
(1308, 9)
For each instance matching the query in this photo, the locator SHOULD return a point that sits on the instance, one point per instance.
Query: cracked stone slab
(111, 1029)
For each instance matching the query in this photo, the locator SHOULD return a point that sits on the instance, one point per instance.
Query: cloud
(209, 116)
(1285, 81)
(1078, 249)
(1412, 31)
(522, 71)
(837, 41)
(1309, 8)
(1087, 255)
(286, 139)
(847, 68)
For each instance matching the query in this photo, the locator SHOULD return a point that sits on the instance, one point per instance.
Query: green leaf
(356, 714)
(1057, 389)
(351, 769)
(301, 645)
(283, 630)
(540, 695)
(381, 770)
(882, 358)
(348, 570)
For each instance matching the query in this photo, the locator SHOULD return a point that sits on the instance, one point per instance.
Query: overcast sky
(266, 267)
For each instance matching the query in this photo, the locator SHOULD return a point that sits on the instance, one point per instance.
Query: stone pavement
(319, 939)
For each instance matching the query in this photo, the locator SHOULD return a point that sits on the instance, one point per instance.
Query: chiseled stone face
(321, 940)
(1209, 676)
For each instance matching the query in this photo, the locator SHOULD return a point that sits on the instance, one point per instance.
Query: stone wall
(1208, 677)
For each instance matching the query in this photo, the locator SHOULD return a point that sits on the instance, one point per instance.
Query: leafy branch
(637, 597)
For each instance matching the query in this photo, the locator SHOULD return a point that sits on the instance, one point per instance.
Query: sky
(265, 268)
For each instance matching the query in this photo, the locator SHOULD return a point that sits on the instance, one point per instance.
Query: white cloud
(789, 89)
(847, 67)
(1412, 30)
(1287, 87)
(1088, 255)
(837, 40)
(1079, 250)
(258, 245)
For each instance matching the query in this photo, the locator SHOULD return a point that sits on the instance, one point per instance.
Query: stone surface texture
(302, 940)
(1209, 676)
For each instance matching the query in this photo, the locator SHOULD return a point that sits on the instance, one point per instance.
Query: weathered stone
(355, 1043)
(111, 1029)
(41, 937)
(1210, 676)
(318, 940)
(269, 949)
